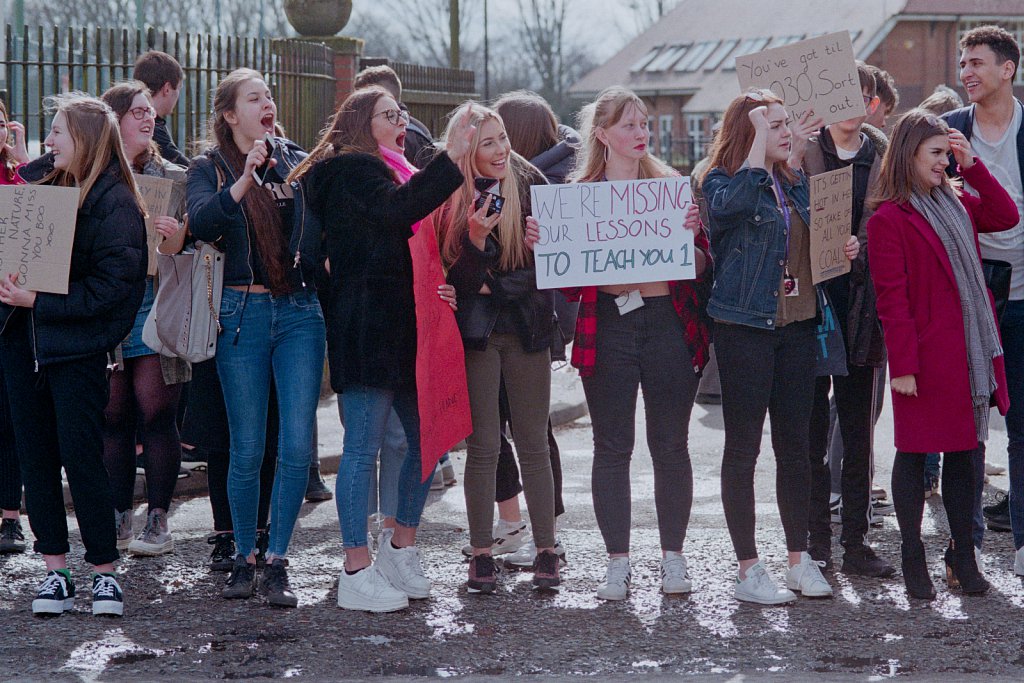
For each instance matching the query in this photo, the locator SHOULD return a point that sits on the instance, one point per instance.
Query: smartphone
(260, 174)
(483, 186)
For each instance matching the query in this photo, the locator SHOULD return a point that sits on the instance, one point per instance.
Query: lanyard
(785, 213)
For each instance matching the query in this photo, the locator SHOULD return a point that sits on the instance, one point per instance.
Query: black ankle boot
(915, 572)
(962, 570)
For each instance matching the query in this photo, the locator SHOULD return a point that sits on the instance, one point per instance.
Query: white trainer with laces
(759, 587)
(401, 567)
(1018, 562)
(525, 556)
(617, 579)
(806, 579)
(508, 538)
(675, 576)
(369, 591)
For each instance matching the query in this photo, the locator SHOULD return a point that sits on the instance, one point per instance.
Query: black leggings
(957, 495)
(140, 403)
(206, 424)
(10, 475)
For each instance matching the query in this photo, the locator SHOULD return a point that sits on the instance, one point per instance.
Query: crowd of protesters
(317, 267)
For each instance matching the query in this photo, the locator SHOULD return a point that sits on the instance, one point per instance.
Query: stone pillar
(347, 52)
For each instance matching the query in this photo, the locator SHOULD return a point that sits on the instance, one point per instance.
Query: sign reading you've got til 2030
(817, 74)
(613, 233)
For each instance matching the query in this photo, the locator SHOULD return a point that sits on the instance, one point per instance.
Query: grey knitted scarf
(948, 217)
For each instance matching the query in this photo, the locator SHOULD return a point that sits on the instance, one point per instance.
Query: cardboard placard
(441, 391)
(831, 223)
(817, 73)
(163, 197)
(613, 233)
(37, 232)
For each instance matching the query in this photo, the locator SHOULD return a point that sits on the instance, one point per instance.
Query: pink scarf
(402, 168)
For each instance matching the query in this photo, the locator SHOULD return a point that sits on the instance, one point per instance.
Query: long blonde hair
(604, 112)
(94, 128)
(451, 219)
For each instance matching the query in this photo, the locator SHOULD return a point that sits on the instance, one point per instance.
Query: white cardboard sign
(613, 233)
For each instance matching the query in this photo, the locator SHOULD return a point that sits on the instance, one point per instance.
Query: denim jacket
(748, 243)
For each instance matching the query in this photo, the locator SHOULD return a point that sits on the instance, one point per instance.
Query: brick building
(684, 65)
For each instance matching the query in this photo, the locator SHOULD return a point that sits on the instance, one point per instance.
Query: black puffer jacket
(367, 218)
(557, 163)
(515, 292)
(107, 280)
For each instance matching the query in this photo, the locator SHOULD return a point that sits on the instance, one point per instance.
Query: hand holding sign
(13, 295)
(817, 73)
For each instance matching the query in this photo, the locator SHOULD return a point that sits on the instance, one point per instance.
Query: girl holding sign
(506, 325)
(649, 336)
(370, 199)
(766, 308)
(945, 352)
(142, 377)
(53, 348)
(271, 318)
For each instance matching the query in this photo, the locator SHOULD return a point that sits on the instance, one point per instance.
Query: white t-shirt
(1000, 158)
(846, 154)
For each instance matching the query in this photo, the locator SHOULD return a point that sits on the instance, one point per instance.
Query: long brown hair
(897, 176)
(120, 97)
(732, 146)
(531, 124)
(97, 136)
(350, 130)
(604, 112)
(451, 219)
(258, 205)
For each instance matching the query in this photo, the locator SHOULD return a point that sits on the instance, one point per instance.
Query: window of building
(696, 56)
(719, 55)
(665, 137)
(695, 135)
(747, 47)
(646, 59)
(1014, 26)
(780, 41)
(668, 58)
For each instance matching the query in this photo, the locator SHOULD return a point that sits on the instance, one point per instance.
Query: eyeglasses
(394, 116)
(142, 112)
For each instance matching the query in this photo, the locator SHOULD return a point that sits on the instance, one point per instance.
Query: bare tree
(557, 60)
(422, 25)
(648, 12)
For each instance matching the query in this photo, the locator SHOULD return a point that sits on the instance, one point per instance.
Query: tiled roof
(691, 50)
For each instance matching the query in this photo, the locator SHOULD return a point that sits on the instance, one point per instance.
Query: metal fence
(40, 62)
(430, 92)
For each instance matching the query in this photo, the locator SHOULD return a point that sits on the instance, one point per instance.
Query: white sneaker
(401, 567)
(616, 580)
(759, 587)
(155, 539)
(977, 557)
(369, 591)
(806, 578)
(508, 538)
(525, 556)
(437, 483)
(675, 577)
(994, 470)
(1018, 562)
(123, 524)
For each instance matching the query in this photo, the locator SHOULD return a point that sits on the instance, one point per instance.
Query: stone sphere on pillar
(318, 17)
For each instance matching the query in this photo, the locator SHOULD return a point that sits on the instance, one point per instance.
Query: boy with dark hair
(888, 97)
(852, 296)
(163, 76)
(419, 143)
(994, 123)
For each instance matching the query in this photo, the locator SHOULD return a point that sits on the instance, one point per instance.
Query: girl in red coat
(945, 354)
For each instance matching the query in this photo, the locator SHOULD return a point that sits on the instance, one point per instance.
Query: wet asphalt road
(177, 626)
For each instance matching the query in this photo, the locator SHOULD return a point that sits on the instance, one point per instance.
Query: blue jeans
(367, 410)
(1012, 329)
(283, 336)
(383, 496)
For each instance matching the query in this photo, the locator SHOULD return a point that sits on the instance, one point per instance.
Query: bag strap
(208, 261)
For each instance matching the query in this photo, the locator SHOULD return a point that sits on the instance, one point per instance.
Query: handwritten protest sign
(613, 233)
(37, 231)
(817, 73)
(831, 223)
(163, 197)
(441, 392)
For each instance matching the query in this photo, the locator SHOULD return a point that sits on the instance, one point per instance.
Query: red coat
(919, 305)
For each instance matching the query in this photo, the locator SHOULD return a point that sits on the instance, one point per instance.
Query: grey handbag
(185, 319)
